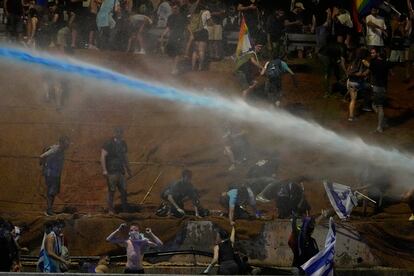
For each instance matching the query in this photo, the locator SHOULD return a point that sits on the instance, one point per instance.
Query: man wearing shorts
(114, 163)
(52, 162)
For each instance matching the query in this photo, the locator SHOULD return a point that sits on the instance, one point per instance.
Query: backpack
(196, 23)
(274, 69)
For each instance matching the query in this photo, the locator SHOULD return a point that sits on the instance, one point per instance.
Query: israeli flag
(342, 198)
(322, 263)
(41, 260)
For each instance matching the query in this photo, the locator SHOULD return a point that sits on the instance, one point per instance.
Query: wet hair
(64, 140)
(118, 130)
(186, 172)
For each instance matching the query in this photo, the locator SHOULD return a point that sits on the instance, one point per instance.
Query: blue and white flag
(41, 260)
(322, 263)
(342, 198)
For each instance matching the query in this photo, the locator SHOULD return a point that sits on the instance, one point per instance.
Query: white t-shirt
(163, 12)
(205, 16)
(374, 36)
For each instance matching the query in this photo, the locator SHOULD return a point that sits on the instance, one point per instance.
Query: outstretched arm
(113, 236)
(157, 241)
(213, 261)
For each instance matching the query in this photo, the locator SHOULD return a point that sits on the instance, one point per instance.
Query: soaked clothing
(115, 160)
(226, 259)
(53, 161)
(180, 191)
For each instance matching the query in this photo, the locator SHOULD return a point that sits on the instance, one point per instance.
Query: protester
(376, 29)
(176, 193)
(224, 254)
(378, 68)
(274, 69)
(357, 82)
(52, 160)
(114, 162)
(275, 32)
(236, 146)
(50, 259)
(9, 250)
(175, 30)
(13, 10)
(234, 200)
(301, 242)
(134, 244)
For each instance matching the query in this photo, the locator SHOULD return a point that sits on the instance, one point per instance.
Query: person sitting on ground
(274, 69)
(176, 193)
(234, 200)
(134, 244)
(301, 242)
(224, 254)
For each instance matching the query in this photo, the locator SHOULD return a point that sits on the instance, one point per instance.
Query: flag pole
(366, 197)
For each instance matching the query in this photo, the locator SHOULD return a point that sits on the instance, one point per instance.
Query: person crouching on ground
(224, 254)
(177, 193)
(234, 200)
(134, 244)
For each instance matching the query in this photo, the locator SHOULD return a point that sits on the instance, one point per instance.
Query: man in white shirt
(376, 29)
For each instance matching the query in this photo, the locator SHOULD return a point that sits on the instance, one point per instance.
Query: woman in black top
(224, 254)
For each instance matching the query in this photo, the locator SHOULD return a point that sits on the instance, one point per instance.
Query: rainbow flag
(361, 8)
(243, 45)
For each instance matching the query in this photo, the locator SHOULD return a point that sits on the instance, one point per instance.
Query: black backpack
(274, 69)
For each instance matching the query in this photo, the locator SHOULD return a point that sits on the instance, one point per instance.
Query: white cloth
(205, 16)
(374, 36)
(163, 12)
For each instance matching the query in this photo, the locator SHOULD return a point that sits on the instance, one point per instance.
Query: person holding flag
(247, 63)
(322, 263)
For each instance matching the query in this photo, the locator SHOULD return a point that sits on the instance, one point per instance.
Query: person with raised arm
(134, 244)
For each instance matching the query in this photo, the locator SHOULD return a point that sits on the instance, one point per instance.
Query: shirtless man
(134, 246)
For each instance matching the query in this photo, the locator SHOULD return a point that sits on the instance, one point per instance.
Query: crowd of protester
(199, 31)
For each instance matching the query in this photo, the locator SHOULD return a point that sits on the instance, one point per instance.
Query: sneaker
(92, 47)
(260, 198)
(140, 52)
(411, 218)
(351, 119)
(232, 167)
(49, 213)
(379, 130)
(367, 109)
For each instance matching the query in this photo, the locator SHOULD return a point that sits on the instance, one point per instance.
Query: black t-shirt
(292, 17)
(75, 7)
(15, 7)
(250, 16)
(115, 160)
(319, 11)
(275, 27)
(180, 190)
(334, 51)
(217, 6)
(177, 24)
(379, 72)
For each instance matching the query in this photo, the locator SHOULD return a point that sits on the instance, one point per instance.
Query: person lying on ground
(134, 244)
